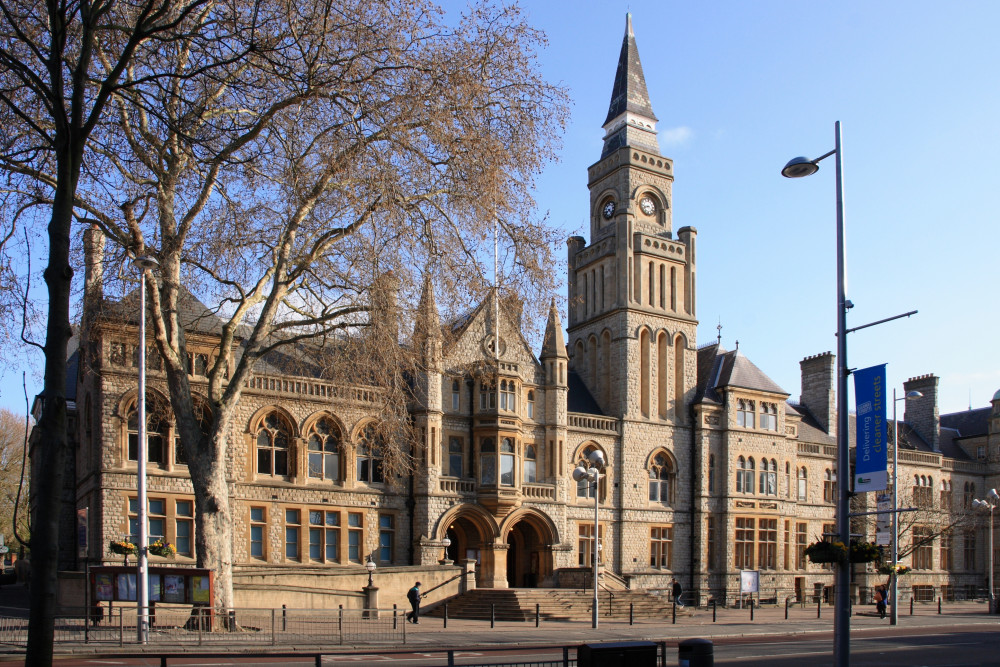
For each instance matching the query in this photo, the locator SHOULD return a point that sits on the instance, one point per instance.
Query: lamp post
(144, 264)
(446, 542)
(893, 614)
(593, 474)
(370, 566)
(797, 168)
(989, 504)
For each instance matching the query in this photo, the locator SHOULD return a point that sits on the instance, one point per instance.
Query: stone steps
(553, 604)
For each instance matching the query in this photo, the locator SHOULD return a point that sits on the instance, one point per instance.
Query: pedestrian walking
(677, 591)
(880, 599)
(414, 596)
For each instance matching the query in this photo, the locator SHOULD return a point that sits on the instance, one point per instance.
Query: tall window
(272, 446)
(803, 482)
(156, 430)
(788, 479)
(586, 546)
(660, 539)
(354, 537)
(324, 450)
(487, 461)
(829, 486)
(786, 546)
(744, 475)
(711, 473)
(946, 546)
(507, 396)
(711, 557)
(456, 395)
(946, 499)
(923, 491)
(800, 545)
(184, 527)
(507, 462)
(968, 495)
(969, 550)
(531, 404)
(293, 526)
(369, 456)
(660, 473)
(386, 537)
(745, 413)
(767, 543)
(744, 542)
(769, 416)
(156, 517)
(456, 456)
(923, 548)
(768, 477)
(487, 395)
(324, 536)
(258, 530)
(530, 465)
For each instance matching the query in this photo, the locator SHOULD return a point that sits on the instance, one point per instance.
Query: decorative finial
(718, 339)
(737, 346)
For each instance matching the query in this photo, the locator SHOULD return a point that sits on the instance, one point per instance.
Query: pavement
(727, 624)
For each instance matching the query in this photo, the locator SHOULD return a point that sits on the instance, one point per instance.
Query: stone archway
(529, 536)
(473, 534)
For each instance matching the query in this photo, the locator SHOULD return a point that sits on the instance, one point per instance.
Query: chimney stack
(819, 396)
(922, 413)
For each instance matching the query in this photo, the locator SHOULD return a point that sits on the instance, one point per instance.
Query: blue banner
(870, 461)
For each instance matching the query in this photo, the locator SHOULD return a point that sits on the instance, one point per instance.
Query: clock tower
(632, 318)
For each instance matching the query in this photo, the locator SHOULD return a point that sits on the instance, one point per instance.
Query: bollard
(786, 609)
(819, 608)
(911, 606)
(751, 610)
(446, 614)
(939, 606)
(274, 622)
(284, 618)
(232, 620)
(451, 658)
(673, 618)
(631, 618)
(537, 614)
(695, 653)
(393, 616)
(340, 622)
(493, 615)
(713, 610)
(565, 655)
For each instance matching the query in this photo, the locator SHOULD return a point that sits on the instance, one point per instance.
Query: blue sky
(742, 87)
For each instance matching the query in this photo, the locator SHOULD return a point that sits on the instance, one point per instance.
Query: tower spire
(630, 121)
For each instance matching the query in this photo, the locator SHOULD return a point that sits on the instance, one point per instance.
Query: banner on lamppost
(870, 469)
(883, 522)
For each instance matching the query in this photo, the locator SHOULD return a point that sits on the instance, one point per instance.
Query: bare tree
(13, 477)
(307, 191)
(61, 62)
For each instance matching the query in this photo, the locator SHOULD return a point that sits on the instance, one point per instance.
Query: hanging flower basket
(826, 552)
(889, 569)
(163, 548)
(122, 547)
(864, 552)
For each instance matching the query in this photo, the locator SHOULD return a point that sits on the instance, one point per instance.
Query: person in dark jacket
(413, 595)
(677, 591)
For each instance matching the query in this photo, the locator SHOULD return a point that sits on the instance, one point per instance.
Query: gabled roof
(968, 423)
(718, 368)
(194, 315)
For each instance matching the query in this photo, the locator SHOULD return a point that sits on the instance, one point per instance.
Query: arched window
(662, 405)
(644, 371)
(829, 486)
(530, 465)
(487, 395)
(156, 429)
(745, 413)
(803, 484)
(507, 462)
(273, 436)
(369, 456)
(488, 462)
(946, 499)
(507, 396)
(456, 396)
(660, 475)
(769, 416)
(531, 404)
(923, 491)
(968, 495)
(788, 479)
(744, 475)
(768, 477)
(324, 450)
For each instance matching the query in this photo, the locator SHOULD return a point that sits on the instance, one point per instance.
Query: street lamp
(989, 504)
(446, 542)
(144, 264)
(370, 566)
(797, 168)
(593, 474)
(894, 616)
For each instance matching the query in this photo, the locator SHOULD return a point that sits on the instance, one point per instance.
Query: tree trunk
(50, 450)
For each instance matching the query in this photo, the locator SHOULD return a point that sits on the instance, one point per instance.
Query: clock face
(609, 210)
(647, 205)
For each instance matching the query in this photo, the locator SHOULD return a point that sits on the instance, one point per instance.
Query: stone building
(711, 468)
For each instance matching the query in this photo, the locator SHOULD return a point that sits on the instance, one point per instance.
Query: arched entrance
(530, 536)
(473, 533)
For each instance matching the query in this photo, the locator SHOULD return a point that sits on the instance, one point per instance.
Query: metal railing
(196, 626)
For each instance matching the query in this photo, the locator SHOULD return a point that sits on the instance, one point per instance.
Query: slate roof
(629, 92)
(968, 423)
(718, 368)
(579, 398)
(194, 315)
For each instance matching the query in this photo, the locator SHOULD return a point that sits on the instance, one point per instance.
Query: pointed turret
(554, 345)
(427, 329)
(630, 121)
